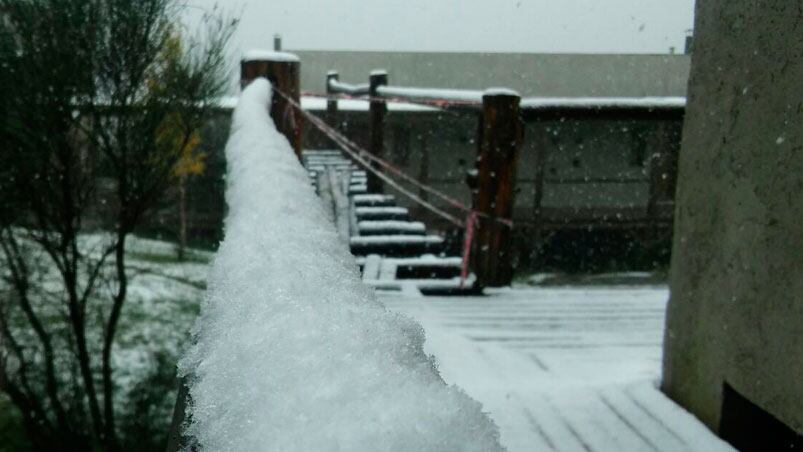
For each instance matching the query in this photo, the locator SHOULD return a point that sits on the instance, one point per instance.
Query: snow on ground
(292, 351)
(161, 307)
(566, 369)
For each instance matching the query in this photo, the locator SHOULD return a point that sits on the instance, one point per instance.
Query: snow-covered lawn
(164, 298)
(567, 369)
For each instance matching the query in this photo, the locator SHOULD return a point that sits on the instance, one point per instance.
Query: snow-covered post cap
(378, 72)
(498, 91)
(500, 144)
(283, 70)
(270, 55)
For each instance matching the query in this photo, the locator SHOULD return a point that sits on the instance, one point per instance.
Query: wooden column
(377, 127)
(283, 70)
(331, 104)
(500, 142)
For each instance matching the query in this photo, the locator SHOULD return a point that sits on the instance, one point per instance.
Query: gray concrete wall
(601, 163)
(548, 75)
(736, 309)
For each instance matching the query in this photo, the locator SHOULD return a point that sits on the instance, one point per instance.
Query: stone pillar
(732, 349)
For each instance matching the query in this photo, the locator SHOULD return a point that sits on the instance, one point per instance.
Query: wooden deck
(566, 369)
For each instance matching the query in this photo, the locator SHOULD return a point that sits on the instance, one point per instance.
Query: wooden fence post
(331, 104)
(500, 142)
(284, 71)
(377, 128)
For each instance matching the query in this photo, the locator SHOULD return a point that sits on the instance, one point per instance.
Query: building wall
(735, 314)
(546, 75)
(592, 166)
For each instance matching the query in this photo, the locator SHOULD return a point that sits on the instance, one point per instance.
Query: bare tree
(91, 85)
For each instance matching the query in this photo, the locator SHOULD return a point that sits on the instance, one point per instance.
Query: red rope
(471, 220)
(363, 157)
(359, 155)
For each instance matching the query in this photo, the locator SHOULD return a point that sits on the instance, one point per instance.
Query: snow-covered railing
(540, 103)
(336, 86)
(431, 94)
(472, 99)
(291, 350)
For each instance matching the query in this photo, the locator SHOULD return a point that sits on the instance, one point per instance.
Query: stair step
(369, 200)
(395, 245)
(357, 189)
(337, 167)
(396, 240)
(418, 267)
(394, 253)
(426, 286)
(381, 213)
(321, 151)
(391, 227)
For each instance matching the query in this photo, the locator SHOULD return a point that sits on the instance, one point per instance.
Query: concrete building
(733, 353)
(530, 74)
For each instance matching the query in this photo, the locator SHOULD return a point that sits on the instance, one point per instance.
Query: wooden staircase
(394, 252)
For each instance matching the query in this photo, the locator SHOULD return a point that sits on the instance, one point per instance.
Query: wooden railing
(493, 183)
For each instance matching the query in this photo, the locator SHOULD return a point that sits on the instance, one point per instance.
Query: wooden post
(331, 104)
(500, 142)
(283, 70)
(377, 128)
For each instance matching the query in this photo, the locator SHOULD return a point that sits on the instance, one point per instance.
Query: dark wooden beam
(501, 138)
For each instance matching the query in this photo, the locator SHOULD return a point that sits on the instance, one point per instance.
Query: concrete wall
(601, 163)
(548, 75)
(736, 309)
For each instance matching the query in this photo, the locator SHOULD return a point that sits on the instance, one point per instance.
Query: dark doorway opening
(747, 427)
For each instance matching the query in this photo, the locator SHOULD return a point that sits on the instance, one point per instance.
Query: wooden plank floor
(566, 369)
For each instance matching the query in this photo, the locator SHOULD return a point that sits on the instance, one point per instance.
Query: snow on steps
(382, 229)
(391, 227)
(373, 200)
(291, 350)
(438, 272)
(381, 213)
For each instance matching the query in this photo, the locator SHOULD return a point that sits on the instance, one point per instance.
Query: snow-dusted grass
(163, 301)
(292, 351)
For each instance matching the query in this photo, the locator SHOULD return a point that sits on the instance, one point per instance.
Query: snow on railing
(348, 88)
(292, 351)
(459, 95)
(537, 103)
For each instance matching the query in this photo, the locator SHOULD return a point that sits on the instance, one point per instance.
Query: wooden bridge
(393, 251)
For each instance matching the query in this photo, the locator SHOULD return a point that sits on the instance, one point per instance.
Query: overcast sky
(555, 26)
